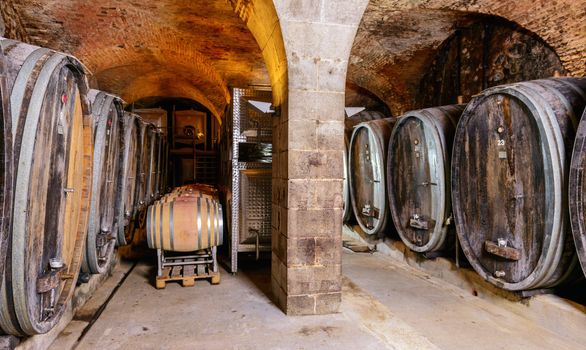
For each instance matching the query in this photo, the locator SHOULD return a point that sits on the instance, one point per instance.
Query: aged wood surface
(6, 163)
(53, 150)
(576, 192)
(106, 110)
(368, 152)
(485, 54)
(349, 124)
(509, 168)
(418, 173)
(126, 205)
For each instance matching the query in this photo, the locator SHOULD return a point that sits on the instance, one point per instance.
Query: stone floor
(386, 305)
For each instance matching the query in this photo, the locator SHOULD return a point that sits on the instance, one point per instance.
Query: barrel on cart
(509, 181)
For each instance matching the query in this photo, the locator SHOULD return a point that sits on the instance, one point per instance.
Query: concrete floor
(386, 305)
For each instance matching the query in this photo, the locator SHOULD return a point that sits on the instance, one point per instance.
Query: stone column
(308, 151)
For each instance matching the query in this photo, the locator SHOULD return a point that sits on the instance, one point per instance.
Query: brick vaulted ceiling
(178, 48)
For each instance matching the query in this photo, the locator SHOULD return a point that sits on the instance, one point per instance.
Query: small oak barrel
(107, 114)
(509, 168)
(368, 152)
(143, 198)
(418, 175)
(125, 206)
(185, 224)
(6, 164)
(52, 129)
(349, 124)
(576, 190)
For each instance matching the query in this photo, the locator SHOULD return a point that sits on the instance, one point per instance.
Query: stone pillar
(308, 151)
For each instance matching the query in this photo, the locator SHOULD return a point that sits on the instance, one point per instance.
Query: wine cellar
(292, 174)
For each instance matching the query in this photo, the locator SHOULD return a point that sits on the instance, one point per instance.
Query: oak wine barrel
(126, 205)
(52, 129)
(368, 152)
(576, 190)
(185, 224)
(107, 111)
(510, 165)
(418, 174)
(349, 124)
(6, 163)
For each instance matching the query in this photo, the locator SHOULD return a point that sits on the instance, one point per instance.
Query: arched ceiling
(392, 49)
(397, 39)
(191, 49)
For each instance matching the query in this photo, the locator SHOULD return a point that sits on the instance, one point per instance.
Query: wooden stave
(18, 315)
(151, 193)
(559, 260)
(106, 151)
(145, 142)
(126, 204)
(158, 163)
(6, 164)
(576, 201)
(160, 213)
(381, 129)
(441, 122)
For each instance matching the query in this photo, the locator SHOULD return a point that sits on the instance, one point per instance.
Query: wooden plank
(504, 252)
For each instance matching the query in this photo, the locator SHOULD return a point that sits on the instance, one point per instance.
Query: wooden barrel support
(418, 174)
(102, 224)
(510, 165)
(185, 224)
(53, 157)
(577, 190)
(126, 205)
(368, 152)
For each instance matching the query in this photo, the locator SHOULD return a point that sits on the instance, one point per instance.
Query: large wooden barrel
(509, 176)
(52, 131)
(126, 205)
(418, 174)
(349, 124)
(6, 163)
(145, 161)
(107, 111)
(368, 152)
(185, 224)
(576, 192)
